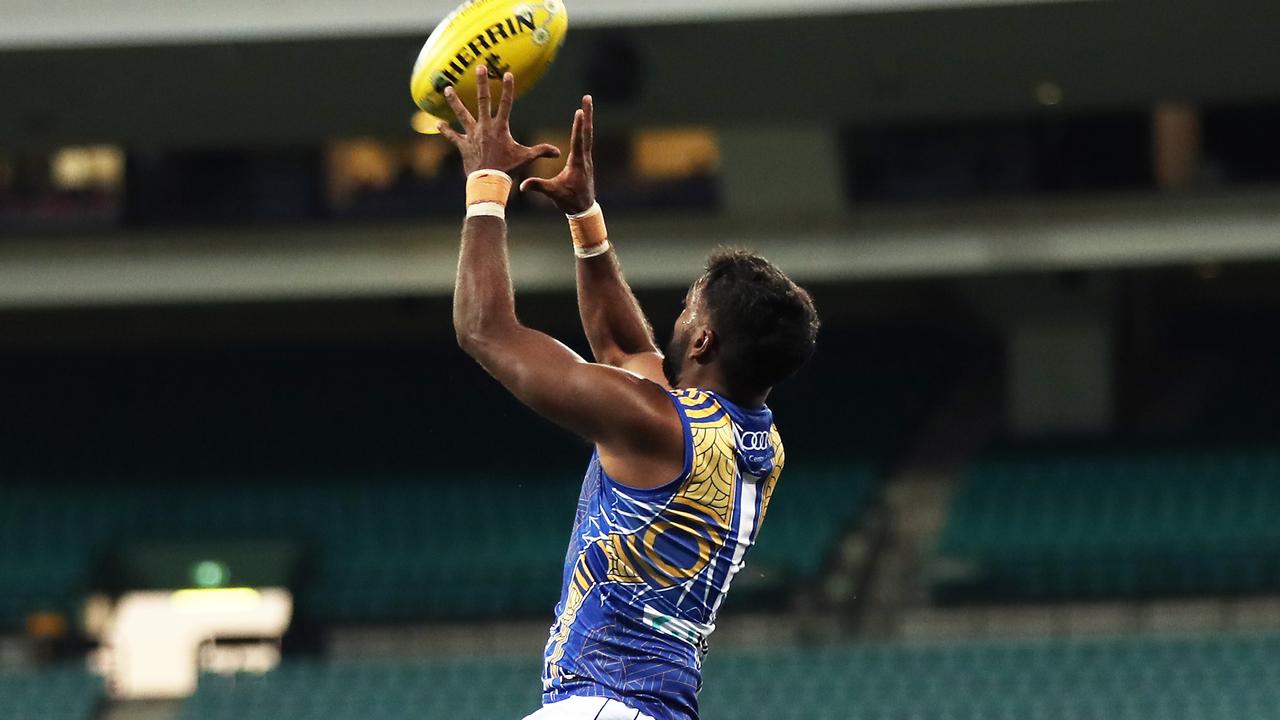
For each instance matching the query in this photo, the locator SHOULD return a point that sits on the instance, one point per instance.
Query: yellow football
(505, 35)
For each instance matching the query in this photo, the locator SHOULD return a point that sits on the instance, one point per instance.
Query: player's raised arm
(631, 420)
(616, 327)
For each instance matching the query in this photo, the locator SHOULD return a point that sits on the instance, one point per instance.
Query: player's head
(745, 318)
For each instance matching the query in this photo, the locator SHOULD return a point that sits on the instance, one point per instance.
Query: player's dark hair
(766, 325)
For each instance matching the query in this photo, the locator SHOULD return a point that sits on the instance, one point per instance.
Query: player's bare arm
(629, 418)
(617, 329)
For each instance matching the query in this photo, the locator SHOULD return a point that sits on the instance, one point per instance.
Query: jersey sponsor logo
(690, 632)
(758, 440)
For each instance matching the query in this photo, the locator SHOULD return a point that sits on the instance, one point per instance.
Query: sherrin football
(505, 35)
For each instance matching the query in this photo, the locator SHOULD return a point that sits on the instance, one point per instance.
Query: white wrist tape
(487, 209)
(595, 209)
(592, 251)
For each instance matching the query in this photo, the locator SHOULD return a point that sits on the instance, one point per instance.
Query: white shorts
(587, 708)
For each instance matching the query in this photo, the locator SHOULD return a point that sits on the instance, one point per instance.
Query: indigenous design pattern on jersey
(647, 570)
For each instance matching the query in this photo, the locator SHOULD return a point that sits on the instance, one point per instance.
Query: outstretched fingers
(546, 186)
(455, 104)
(545, 150)
(576, 141)
(449, 133)
(508, 98)
(483, 109)
(491, 145)
(588, 124)
(536, 184)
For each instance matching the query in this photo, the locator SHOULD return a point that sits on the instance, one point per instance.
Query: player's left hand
(574, 189)
(487, 144)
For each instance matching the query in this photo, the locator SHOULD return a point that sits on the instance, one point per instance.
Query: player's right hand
(487, 143)
(574, 189)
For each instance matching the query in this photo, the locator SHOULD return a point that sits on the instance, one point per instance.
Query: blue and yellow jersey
(647, 570)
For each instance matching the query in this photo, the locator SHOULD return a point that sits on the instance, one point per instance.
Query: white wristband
(592, 251)
(487, 209)
(490, 173)
(593, 210)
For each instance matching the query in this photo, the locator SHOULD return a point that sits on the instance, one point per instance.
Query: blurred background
(1033, 470)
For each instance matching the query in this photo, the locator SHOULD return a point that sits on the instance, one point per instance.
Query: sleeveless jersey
(647, 570)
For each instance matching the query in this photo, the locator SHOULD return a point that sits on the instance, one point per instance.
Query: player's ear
(704, 345)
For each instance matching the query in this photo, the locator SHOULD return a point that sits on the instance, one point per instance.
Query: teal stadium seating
(1209, 677)
(1091, 524)
(59, 693)
(409, 497)
(463, 688)
(385, 548)
(380, 548)
(809, 512)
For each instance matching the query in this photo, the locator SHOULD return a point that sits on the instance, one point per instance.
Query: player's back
(647, 570)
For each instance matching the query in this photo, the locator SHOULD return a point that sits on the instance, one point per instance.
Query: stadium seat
(338, 452)
(381, 548)
(59, 693)
(1081, 524)
(464, 688)
(1210, 677)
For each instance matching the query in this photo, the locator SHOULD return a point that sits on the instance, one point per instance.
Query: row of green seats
(1211, 677)
(456, 689)
(808, 512)
(67, 692)
(353, 454)
(379, 548)
(375, 548)
(1100, 524)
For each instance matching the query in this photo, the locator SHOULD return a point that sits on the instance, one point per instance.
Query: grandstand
(1220, 677)
(1120, 522)
(1033, 471)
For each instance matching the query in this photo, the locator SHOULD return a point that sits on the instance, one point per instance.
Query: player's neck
(706, 378)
